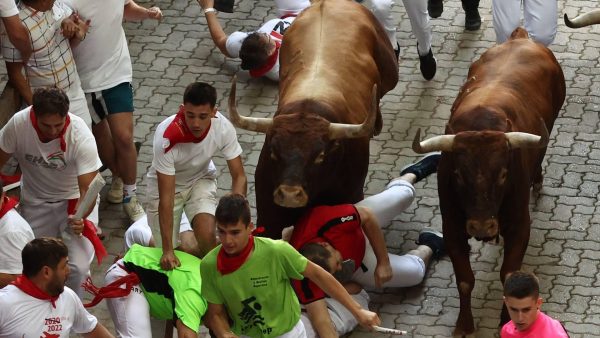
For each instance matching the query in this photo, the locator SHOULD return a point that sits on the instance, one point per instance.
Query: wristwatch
(210, 10)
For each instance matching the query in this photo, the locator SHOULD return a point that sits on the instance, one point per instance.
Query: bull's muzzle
(482, 229)
(290, 196)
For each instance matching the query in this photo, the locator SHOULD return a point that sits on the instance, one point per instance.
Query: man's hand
(155, 13)
(206, 3)
(69, 27)
(76, 225)
(169, 261)
(367, 319)
(383, 273)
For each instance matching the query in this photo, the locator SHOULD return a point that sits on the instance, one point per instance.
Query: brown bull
(336, 63)
(492, 155)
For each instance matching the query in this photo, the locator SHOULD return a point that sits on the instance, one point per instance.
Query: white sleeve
(83, 321)
(234, 43)
(162, 162)
(8, 135)
(8, 8)
(230, 147)
(63, 9)
(87, 155)
(11, 245)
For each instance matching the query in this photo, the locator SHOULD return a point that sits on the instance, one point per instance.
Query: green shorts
(118, 99)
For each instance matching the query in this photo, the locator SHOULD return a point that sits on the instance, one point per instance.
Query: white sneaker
(115, 193)
(134, 209)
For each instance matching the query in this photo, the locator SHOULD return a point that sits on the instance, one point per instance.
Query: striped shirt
(51, 63)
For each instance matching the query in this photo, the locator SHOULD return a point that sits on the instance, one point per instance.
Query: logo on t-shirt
(251, 317)
(53, 327)
(54, 160)
(346, 218)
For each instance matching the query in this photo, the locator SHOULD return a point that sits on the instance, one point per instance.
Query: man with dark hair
(183, 176)
(57, 155)
(347, 241)
(104, 65)
(38, 304)
(246, 280)
(15, 233)
(52, 26)
(523, 301)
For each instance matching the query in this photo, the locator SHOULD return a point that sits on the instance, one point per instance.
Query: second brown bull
(492, 154)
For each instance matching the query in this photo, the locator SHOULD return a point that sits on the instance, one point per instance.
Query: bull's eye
(320, 158)
(273, 156)
(502, 176)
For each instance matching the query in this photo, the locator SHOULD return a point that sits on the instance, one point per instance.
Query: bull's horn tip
(567, 21)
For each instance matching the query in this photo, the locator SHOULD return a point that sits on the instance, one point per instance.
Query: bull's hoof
(463, 334)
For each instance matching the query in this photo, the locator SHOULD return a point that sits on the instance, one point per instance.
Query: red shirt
(543, 327)
(339, 226)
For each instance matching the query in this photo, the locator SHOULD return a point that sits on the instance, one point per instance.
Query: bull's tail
(519, 33)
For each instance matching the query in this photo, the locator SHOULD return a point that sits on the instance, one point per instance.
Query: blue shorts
(118, 99)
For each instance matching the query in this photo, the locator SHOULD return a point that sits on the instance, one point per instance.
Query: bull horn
(258, 124)
(519, 140)
(590, 18)
(436, 143)
(344, 130)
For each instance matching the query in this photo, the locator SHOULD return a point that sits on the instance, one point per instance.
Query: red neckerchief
(112, 290)
(227, 264)
(63, 144)
(89, 232)
(178, 131)
(8, 204)
(264, 69)
(27, 286)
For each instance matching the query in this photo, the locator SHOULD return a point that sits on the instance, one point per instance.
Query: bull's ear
(508, 126)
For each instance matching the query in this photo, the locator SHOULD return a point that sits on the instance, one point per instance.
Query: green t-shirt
(258, 296)
(171, 294)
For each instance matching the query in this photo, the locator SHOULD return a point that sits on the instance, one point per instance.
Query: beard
(56, 287)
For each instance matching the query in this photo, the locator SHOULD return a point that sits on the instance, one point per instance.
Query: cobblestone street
(564, 249)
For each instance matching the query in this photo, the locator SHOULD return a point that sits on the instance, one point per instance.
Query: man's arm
(135, 12)
(18, 80)
(320, 319)
(335, 290)
(99, 332)
(6, 278)
(216, 31)
(216, 319)
(370, 226)
(18, 36)
(4, 156)
(184, 331)
(239, 182)
(166, 201)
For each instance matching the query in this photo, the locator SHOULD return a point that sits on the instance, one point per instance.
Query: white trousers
(408, 270)
(287, 7)
(131, 314)
(50, 220)
(342, 319)
(540, 18)
(417, 14)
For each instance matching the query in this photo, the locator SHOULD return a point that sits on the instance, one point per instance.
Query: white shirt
(235, 40)
(23, 316)
(49, 174)
(102, 59)
(192, 161)
(51, 63)
(8, 8)
(15, 232)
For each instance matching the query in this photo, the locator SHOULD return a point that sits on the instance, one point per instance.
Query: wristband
(210, 10)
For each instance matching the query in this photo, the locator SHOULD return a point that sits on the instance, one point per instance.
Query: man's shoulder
(13, 222)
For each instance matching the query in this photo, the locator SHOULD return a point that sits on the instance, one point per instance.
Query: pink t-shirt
(543, 327)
